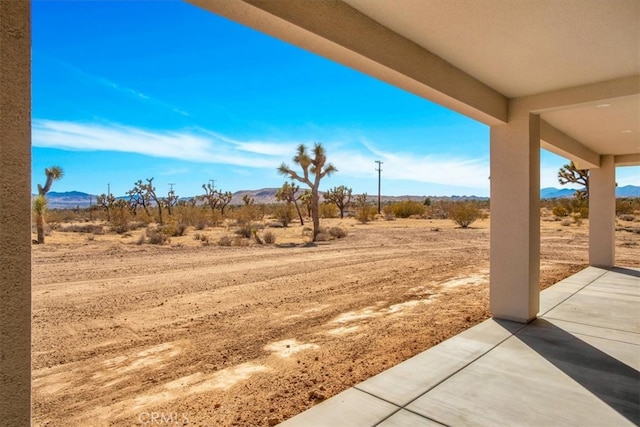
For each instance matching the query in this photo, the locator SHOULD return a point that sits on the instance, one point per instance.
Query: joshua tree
(571, 174)
(248, 201)
(53, 173)
(287, 193)
(210, 197)
(341, 196)
(171, 201)
(106, 201)
(225, 199)
(145, 193)
(313, 170)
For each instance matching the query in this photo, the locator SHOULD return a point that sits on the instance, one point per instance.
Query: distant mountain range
(562, 193)
(74, 199)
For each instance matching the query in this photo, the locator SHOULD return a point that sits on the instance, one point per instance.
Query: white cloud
(436, 169)
(169, 144)
(354, 159)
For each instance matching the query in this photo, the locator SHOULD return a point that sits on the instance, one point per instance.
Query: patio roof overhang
(575, 63)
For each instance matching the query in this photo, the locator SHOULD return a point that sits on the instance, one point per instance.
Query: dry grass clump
(204, 238)
(337, 232)
(225, 241)
(153, 236)
(269, 237)
(79, 228)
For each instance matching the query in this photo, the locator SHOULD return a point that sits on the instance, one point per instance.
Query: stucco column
(15, 212)
(602, 214)
(515, 219)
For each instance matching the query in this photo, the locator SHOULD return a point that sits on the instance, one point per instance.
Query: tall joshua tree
(52, 173)
(313, 170)
(571, 174)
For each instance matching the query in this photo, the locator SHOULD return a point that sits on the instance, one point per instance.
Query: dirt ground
(186, 334)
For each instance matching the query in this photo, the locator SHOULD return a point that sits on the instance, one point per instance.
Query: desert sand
(204, 335)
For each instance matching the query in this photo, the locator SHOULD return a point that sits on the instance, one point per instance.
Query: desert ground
(205, 335)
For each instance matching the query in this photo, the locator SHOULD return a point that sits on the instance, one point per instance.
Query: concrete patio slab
(577, 364)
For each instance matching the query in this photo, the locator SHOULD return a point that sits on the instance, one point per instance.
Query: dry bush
(284, 213)
(156, 237)
(577, 218)
(269, 237)
(405, 209)
(239, 241)
(627, 217)
(366, 213)
(322, 237)
(566, 222)
(465, 214)
(225, 241)
(560, 211)
(328, 210)
(245, 230)
(337, 232)
(246, 214)
(80, 228)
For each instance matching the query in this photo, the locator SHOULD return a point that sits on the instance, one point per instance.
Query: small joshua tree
(341, 196)
(287, 193)
(313, 170)
(53, 173)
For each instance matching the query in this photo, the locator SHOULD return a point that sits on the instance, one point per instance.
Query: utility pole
(213, 184)
(171, 187)
(379, 169)
(108, 189)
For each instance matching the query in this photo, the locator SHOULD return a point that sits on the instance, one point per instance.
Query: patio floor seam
(542, 314)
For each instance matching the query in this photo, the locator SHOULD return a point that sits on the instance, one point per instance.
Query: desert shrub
(627, 217)
(269, 237)
(440, 209)
(239, 241)
(200, 225)
(80, 228)
(307, 232)
(248, 213)
(284, 213)
(173, 229)
(465, 214)
(566, 222)
(204, 238)
(245, 230)
(577, 218)
(582, 210)
(322, 237)
(626, 206)
(366, 213)
(405, 209)
(328, 210)
(156, 236)
(337, 232)
(225, 241)
(560, 211)
(181, 228)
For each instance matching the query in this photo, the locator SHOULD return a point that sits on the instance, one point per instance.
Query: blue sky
(129, 90)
